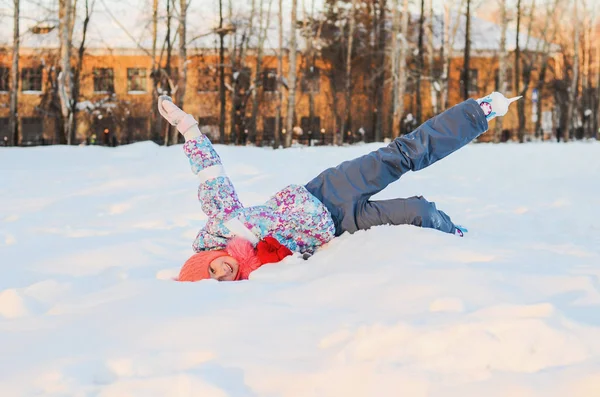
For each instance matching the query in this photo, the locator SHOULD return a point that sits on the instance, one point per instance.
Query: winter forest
(278, 72)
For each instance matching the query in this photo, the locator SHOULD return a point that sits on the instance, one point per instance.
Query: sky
(90, 238)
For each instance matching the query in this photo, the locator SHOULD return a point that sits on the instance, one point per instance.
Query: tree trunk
(222, 97)
(65, 84)
(597, 113)
(501, 66)
(77, 74)
(291, 77)
(310, 71)
(395, 63)
(14, 73)
(544, 67)
(167, 69)
(420, 64)
(182, 61)
(276, 136)
(235, 68)
(380, 71)
(467, 54)
(518, 49)
(449, 43)
(588, 133)
(155, 122)
(262, 33)
(540, 87)
(346, 129)
(402, 69)
(573, 88)
(432, 79)
(527, 70)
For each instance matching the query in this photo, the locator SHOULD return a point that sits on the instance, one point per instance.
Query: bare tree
(166, 72)
(155, 122)
(276, 141)
(399, 48)
(239, 73)
(467, 53)
(502, 64)
(573, 88)
(65, 81)
(311, 30)
(545, 57)
(527, 64)
(597, 113)
(79, 68)
(222, 94)
(263, 24)
(292, 74)
(420, 63)
(402, 68)
(347, 118)
(182, 60)
(379, 70)
(448, 54)
(432, 78)
(14, 91)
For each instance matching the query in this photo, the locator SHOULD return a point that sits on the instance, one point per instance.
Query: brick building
(116, 97)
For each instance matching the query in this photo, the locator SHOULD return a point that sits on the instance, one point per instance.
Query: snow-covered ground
(90, 237)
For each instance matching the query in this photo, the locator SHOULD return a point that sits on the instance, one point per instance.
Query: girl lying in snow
(302, 218)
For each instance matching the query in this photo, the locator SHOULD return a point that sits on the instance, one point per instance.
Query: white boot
(495, 105)
(186, 124)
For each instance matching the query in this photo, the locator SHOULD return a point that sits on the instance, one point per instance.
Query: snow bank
(90, 238)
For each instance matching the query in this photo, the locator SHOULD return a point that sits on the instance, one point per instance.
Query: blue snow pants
(346, 190)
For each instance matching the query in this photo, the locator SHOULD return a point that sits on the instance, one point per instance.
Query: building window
(311, 80)
(4, 131)
(31, 79)
(508, 76)
(269, 80)
(410, 86)
(243, 79)
(208, 79)
(4, 76)
(473, 81)
(210, 127)
(136, 80)
(104, 80)
(437, 72)
(32, 130)
(310, 132)
(137, 130)
(338, 82)
(268, 131)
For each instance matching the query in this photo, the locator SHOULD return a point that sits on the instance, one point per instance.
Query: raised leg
(353, 182)
(403, 211)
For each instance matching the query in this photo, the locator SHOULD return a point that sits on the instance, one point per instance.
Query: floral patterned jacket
(293, 216)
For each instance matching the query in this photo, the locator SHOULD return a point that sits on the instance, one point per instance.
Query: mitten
(460, 230)
(495, 104)
(269, 250)
(186, 124)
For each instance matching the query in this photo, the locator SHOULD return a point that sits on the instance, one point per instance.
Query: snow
(90, 238)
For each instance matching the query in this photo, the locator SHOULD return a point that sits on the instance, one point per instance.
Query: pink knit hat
(196, 267)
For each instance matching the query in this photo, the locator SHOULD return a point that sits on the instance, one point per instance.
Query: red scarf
(268, 250)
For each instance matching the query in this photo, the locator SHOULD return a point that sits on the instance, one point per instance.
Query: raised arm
(215, 192)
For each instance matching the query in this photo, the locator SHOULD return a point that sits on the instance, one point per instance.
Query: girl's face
(224, 268)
